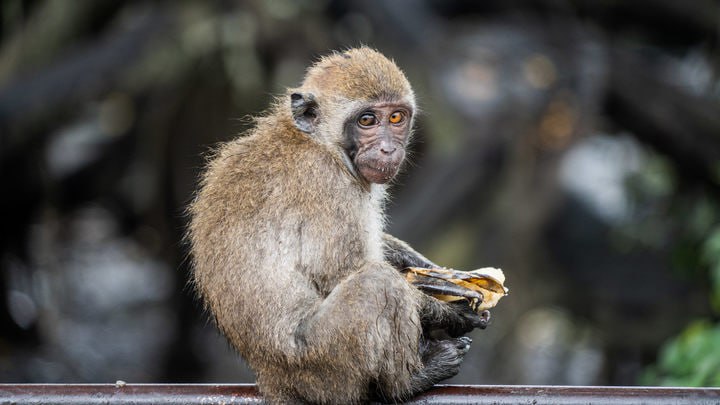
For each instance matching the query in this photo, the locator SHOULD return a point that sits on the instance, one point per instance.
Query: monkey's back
(267, 227)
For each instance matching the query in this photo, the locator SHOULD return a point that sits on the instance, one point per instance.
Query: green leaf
(711, 248)
(692, 359)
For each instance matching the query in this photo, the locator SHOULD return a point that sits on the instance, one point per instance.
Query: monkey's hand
(466, 319)
(455, 318)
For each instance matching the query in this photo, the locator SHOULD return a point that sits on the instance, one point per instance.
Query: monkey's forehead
(359, 74)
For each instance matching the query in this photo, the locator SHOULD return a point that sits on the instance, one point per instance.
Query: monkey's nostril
(388, 150)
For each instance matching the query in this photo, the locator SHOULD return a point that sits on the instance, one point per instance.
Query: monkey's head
(360, 102)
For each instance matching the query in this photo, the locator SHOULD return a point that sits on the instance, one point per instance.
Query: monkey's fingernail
(465, 345)
(465, 341)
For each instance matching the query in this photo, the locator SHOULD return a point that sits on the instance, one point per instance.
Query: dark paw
(444, 357)
(463, 344)
(467, 319)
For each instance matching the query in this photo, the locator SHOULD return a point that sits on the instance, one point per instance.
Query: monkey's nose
(387, 149)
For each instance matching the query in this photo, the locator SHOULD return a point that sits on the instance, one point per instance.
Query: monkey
(289, 252)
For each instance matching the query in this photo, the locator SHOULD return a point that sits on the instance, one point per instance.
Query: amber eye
(367, 120)
(396, 117)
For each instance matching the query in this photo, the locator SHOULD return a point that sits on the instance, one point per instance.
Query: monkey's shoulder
(276, 159)
(281, 175)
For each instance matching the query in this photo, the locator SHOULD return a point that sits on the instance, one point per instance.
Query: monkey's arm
(401, 256)
(456, 318)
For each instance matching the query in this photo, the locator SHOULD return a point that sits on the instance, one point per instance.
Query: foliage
(711, 257)
(692, 359)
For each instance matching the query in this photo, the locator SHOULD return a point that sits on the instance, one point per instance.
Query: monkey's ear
(304, 109)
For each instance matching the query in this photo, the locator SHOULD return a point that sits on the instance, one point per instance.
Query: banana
(482, 288)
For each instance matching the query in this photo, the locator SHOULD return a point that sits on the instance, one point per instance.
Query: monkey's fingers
(443, 290)
(484, 319)
(467, 320)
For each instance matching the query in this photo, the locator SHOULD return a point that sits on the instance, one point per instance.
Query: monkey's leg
(401, 256)
(369, 327)
(441, 359)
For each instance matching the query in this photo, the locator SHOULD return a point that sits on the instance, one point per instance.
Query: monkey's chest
(327, 260)
(331, 247)
(328, 228)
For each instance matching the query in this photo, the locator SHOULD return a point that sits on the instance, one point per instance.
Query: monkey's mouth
(378, 174)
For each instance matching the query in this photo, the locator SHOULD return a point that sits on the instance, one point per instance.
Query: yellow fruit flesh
(488, 281)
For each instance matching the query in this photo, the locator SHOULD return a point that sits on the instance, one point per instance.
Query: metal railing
(228, 394)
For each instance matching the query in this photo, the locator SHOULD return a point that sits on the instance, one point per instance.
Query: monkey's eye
(396, 117)
(367, 120)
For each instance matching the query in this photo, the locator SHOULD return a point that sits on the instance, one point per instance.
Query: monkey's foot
(442, 358)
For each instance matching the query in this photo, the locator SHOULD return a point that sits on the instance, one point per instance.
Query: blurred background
(575, 144)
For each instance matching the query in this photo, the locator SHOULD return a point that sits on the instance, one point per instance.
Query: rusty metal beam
(557, 395)
(138, 394)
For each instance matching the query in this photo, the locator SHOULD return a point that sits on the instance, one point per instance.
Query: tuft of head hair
(358, 74)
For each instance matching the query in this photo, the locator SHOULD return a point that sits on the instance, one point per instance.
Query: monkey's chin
(377, 175)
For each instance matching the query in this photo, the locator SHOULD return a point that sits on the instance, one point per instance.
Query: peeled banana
(482, 288)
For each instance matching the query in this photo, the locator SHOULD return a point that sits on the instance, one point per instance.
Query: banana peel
(482, 288)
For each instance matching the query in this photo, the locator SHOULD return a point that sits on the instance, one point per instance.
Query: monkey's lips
(378, 174)
(377, 167)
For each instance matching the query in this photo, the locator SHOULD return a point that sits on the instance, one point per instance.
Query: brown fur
(376, 78)
(289, 254)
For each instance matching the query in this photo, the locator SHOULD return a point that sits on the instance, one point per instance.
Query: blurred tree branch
(31, 103)
(681, 125)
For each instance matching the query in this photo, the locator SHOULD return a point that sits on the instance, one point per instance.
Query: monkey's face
(378, 137)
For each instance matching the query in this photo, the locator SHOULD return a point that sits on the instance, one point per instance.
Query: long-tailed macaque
(289, 251)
